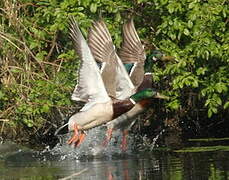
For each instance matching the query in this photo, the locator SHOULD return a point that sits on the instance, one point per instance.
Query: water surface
(154, 165)
(64, 162)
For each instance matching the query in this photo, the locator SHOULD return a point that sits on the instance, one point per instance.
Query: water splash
(92, 145)
(144, 143)
(155, 139)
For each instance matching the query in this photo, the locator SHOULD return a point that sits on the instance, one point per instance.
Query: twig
(34, 57)
(6, 111)
(2, 128)
(75, 174)
(60, 65)
(52, 48)
(50, 63)
(26, 48)
(3, 36)
(27, 4)
(4, 120)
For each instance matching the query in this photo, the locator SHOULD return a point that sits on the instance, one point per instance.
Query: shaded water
(20, 163)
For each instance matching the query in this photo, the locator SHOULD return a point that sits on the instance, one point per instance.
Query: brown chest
(121, 106)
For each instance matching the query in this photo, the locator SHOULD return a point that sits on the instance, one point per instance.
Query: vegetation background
(38, 66)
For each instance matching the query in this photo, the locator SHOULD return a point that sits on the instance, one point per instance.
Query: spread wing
(115, 77)
(102, 48)
(100, 42)
(132, 51)
(90, 87)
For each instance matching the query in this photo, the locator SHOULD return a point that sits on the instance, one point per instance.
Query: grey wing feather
(100, 42)
(132, 50)
(90, 87)
(102, 48)
(115, 77)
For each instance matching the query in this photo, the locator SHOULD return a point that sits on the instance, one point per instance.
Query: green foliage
(196, 34)
(38, 66)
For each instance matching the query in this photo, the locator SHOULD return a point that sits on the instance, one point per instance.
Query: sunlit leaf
(186, 32)
(93, 7)
(226, 105)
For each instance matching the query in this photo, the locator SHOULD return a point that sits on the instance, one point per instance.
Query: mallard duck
(100, 43)
(139, 67)
(100, 108)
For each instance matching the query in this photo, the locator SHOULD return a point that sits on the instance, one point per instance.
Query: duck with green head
(101, 45)
(99, 107)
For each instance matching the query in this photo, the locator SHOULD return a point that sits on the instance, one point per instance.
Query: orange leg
(109, 136)
(81, 139)
(126, 174)
(110, 176)
(75, 136)
(124, 140)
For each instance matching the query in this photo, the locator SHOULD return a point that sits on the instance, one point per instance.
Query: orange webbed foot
(81, 139)
(75, 136)
(109, 136)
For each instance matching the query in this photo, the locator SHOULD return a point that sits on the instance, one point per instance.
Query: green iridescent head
(147, 94)
(155, 55)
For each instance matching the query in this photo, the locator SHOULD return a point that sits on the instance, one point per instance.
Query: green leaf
(186, 32)
(209, 113)
(224, 12)
(216, 99)
(208, 101)
(214, 110)
(40, 56)
(118, 17)
(171, 8)
(207, 54)
(201, 71)
(28, 122)
(218, 87)
(93, 7)
(1, 95)
(45, 108)
(219, 101)
(174, 104)
(226, 105)
(190, 24)
(191, 5)
(195, 83)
